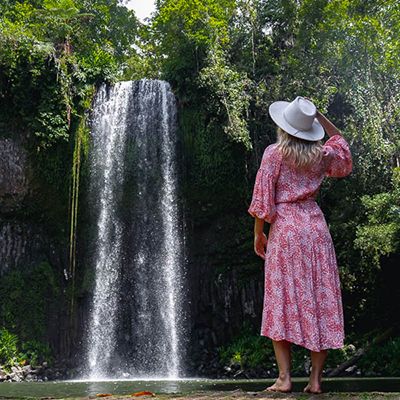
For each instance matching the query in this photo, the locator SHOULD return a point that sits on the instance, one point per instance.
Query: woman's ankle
(284, 376)
(317, 378)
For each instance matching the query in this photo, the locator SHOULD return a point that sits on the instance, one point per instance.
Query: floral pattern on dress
(302, 294)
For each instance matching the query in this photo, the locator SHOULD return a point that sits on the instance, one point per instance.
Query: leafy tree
(380, 235)
(184, 31)
(228, 91)
(57, 49)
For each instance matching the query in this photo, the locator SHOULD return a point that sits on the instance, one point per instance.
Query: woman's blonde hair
(302, 153)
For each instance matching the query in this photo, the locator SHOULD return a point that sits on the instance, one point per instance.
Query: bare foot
(280, 385)
(313, 388)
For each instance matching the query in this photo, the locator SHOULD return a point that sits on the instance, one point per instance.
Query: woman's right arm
(338, 160)
(330, 129)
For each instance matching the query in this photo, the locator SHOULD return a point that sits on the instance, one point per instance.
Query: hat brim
(276, 112)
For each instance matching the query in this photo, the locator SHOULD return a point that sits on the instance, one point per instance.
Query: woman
(302, 298)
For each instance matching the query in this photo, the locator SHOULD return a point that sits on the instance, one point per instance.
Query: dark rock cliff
(225, 276)
(27, 241)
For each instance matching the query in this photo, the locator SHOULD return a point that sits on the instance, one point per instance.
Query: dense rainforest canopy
(226, 61)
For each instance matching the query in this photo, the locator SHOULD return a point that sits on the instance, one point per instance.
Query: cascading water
(136, 323)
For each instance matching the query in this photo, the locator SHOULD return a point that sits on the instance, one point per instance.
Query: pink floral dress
(302, 297)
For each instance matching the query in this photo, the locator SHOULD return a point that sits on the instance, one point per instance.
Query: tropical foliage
(227, 60)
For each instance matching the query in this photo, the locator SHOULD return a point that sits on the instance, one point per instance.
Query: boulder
(3, 375)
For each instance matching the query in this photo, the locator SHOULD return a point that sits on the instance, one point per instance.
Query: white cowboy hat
(297, 118)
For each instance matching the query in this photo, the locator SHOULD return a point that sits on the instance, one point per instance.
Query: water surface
(71, 388)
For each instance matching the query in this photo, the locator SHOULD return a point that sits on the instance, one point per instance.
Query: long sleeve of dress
(338, 157)
(263, 200)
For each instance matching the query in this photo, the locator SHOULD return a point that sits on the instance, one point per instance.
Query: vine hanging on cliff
(80, 149)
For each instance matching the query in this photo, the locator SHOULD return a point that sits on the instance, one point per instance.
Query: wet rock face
(23, 244)
(219, 307)
(14, 236)
(14, 182)
(226, 290)
(25, 238)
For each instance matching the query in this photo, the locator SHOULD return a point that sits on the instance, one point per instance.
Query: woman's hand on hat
(328, 126)
(260, 241)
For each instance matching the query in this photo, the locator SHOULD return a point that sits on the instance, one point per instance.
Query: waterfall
(136, 324)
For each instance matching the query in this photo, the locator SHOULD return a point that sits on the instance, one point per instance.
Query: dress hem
(302, 344)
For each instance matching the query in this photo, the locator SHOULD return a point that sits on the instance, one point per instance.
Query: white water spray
(136, 324)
